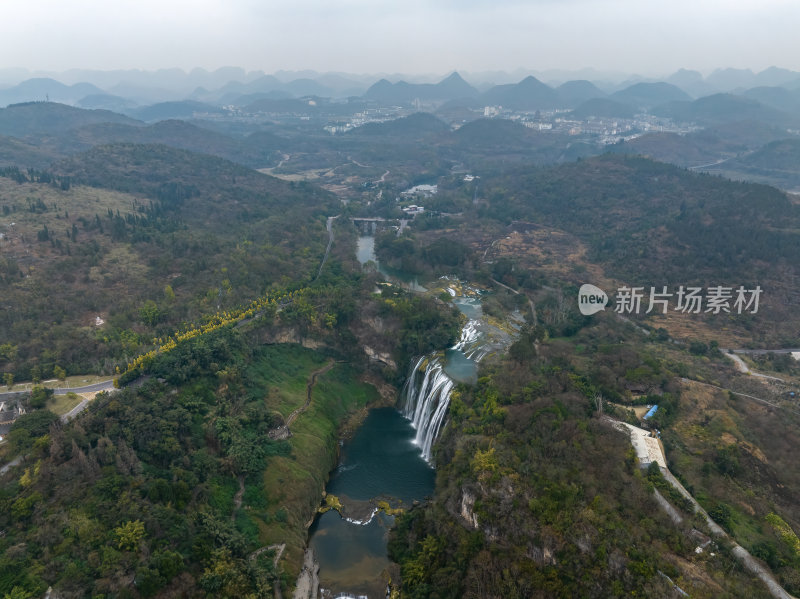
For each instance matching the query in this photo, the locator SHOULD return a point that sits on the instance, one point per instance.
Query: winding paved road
(744, 368)
(11, 464)
(93, 388)
(329, 227)
(750, 563)
(759, 352)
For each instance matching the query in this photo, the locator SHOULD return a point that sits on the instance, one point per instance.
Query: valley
(363, 366)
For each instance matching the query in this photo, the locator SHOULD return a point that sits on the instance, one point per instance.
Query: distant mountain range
(719, 108)
(450, 88)
(44, 89)
(730, 126)
(47, 118)
(771, 96)
(648, 95)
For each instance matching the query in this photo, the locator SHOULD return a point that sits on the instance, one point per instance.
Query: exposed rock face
(280, 433)
(467, 505)
(462, 506)
(382, 357)
(542, 555)
(377, 335)
(376, 323)
(289, 335)
(308, 581)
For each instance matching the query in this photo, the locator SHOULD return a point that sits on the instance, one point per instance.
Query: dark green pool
(381, 460)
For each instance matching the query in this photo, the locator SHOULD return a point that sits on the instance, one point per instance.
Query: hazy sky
(435, 36)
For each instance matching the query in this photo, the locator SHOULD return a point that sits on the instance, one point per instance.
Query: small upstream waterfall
(426, 394)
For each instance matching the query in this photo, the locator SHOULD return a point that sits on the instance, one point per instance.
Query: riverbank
(320, 397)
(379, 473)
(384, 466)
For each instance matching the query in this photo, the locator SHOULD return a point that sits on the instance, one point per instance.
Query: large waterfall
(426, 394)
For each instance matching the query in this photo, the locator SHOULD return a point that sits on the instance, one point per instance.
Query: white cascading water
(425, 403)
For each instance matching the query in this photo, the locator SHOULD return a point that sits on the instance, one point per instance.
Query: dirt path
(278, 552)
(312, 380)
(753, 397)
(15, 462)
(276, 587)
(357, 163)
(514, 291)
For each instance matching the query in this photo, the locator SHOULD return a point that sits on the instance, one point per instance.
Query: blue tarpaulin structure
(650, 412)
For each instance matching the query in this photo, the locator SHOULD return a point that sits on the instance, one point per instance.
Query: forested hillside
(538, 496)
(144, 237)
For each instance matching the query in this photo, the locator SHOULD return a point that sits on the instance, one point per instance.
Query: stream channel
(389, 457)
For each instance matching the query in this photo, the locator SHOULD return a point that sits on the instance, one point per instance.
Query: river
(365, 252)
(389, 459)
(380, 461)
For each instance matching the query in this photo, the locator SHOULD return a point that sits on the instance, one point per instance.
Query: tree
(29, 427)
(39, 397)
(8, 379)
(721, 514)
(149, 313)
(224, 577)
(59, 373)
(18, 593)
(8, 352)
(598, 403)
(129, 534)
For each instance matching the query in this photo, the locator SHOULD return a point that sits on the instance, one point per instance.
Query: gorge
(388, 463)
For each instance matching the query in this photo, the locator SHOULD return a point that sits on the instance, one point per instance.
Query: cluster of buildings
(9, 412)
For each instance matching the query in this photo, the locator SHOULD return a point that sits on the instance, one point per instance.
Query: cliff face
(379, 357)
(271, 336)
(377, 337)
(308, 582)
(467, 509)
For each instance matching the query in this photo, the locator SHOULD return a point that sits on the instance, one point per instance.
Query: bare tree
(598, 403)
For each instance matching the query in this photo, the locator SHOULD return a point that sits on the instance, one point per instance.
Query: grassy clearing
(280, 376)
(293, 484)
(61, 404)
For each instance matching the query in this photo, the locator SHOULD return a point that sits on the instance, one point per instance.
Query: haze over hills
(734, 124)
(528, 94)
(578, 91)
(37, 119)
(647, 95)
(451, 88)
(39, 89)
(226, 84)
(719, 108)
(603, 107)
